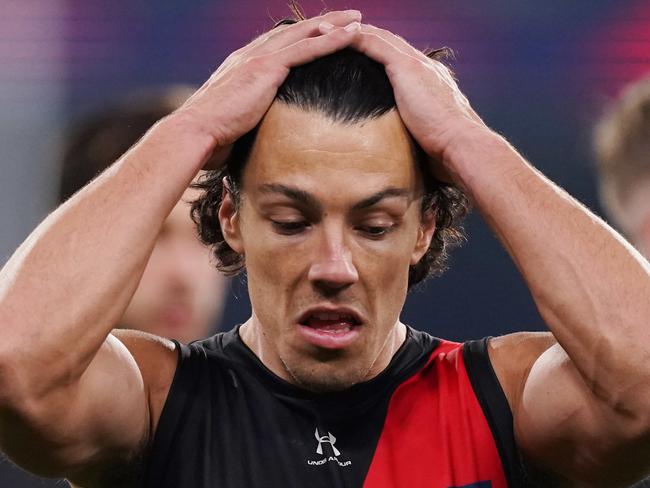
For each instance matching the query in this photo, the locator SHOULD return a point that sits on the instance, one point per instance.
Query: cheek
(274, 264)
(158, 263)
(274, 271)
(391, 258)
(210, 290)
(269, 258)
(386, 269)
(151, 283)
(388, 272)
(203, 271)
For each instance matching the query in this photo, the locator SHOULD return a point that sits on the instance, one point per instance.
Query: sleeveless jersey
(436, 417)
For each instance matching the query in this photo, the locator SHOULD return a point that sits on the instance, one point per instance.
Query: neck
(251, 333)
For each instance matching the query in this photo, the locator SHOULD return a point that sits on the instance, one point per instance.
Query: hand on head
(238, 94)
(431, 105)
(240, 91)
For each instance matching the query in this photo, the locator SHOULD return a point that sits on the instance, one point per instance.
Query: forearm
(590, 286)
(68, 284)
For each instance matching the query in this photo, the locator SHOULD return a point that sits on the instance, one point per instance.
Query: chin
(327, 378)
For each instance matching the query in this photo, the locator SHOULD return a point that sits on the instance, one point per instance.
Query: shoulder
(132, 412)
(157, 359)
(512, 357)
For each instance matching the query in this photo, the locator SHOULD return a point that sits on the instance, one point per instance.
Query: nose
(332, 268)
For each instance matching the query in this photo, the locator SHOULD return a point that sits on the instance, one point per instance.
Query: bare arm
(65, 386)
(582, 407)
(72, 398)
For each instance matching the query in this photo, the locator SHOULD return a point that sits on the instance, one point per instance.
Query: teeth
(335, 329)
(331, 316)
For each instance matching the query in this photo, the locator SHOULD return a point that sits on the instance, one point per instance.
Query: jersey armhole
(495, 406)
(163, 438)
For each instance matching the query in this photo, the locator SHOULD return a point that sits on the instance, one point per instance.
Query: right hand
(238, 94)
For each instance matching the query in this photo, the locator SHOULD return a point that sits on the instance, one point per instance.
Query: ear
(229, 220)
(425, 234)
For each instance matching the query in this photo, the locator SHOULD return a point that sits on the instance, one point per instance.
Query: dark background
(539, 73)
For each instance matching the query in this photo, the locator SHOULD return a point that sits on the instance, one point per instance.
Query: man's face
(180, 293)
(329, 224)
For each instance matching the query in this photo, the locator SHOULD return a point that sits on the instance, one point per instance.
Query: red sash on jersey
(436, 434)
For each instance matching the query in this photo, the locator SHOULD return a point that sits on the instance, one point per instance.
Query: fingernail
(352, 26)
(325, 26)
(356, 13)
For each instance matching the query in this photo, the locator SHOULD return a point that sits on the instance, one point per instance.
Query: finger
(312, 48)
(379, 49)
(284, 36)
(395, 40)
(401, 45)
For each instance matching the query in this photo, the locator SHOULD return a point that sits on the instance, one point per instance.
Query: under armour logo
(326, 438)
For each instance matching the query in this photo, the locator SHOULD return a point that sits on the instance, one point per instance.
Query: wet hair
(348, 87)
(97, 140)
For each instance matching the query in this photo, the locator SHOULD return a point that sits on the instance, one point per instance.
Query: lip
(325, 339)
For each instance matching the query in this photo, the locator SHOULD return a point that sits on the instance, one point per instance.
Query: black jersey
(435, 417)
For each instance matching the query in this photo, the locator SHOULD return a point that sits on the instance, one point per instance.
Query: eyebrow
(379, 196)
(310, 200)
(300, 196)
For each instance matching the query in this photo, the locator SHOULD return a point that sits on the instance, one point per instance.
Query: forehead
(309, 150)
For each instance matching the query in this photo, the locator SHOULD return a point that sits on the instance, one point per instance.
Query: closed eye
(291, 227)
(375, 231)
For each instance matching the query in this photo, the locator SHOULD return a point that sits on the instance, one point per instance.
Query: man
(178, 296)
(323, 386)
(622, 143)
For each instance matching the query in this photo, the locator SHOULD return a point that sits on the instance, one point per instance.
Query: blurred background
(539, 73)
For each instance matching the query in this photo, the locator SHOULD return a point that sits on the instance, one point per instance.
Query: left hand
(431, 105)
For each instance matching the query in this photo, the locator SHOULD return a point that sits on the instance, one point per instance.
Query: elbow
(628, 408)
(13, 393)
(617, 375)
(633, 407)
(8, 370)
(16, 387)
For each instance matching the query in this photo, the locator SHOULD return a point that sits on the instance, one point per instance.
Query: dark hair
(348, 87)
(99, 139)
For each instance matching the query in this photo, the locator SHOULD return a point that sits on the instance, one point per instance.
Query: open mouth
(330, 328)
(333, 322)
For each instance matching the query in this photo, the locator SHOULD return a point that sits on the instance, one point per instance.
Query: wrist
(468, 144)
(473, 154)
(184, 138)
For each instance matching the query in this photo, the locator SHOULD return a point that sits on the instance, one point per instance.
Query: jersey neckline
(409, 358)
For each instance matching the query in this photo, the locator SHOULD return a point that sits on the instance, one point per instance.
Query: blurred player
(622, 142)
(180, 295)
